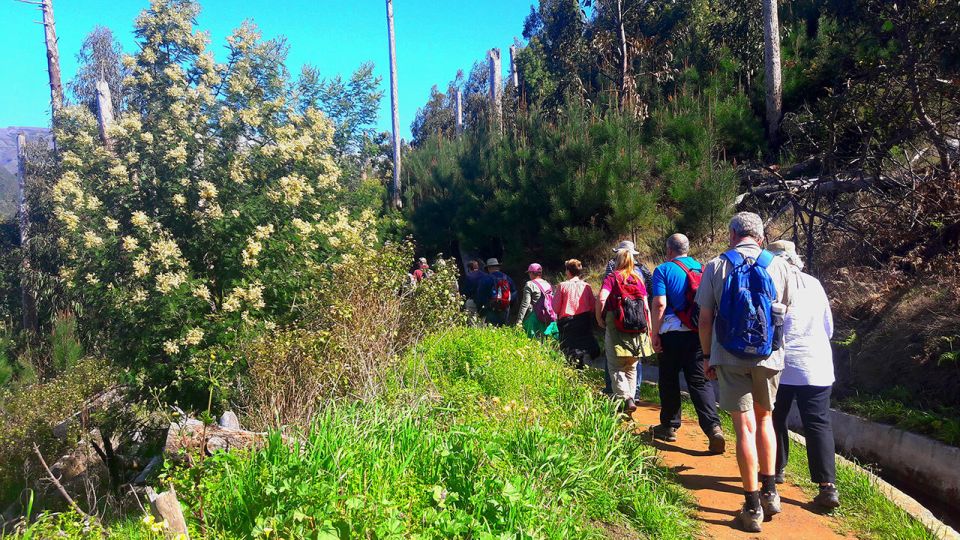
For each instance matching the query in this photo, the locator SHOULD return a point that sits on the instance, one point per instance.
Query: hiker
(420, 270)
(623, 312)
(807, 377)
(574, 304)
(470, 283)
(639, 268)
(536, 314)
(495, 293)
(675, 338)
(740, 291)
(644, 274)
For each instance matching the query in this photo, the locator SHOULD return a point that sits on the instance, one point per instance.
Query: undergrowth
(481, 434)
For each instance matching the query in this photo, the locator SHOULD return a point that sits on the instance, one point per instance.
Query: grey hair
(745, 224)
(678, 243)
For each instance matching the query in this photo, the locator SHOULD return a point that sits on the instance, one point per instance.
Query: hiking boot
(770, 502)
(664, 433)
(828, 497)
(750, 520)
(718, 444)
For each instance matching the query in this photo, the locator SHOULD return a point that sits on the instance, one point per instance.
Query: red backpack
(629, 315)
(690, 314)
(500, 299)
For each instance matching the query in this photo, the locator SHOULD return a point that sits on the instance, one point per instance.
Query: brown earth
(715, 482)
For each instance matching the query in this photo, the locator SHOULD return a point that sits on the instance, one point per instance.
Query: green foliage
(351, 336)
(65, 349)
(218, 210)
(485, 434)
(352, 105)
(28, 414)
(549, 190)
(893, 407)
(7, 362)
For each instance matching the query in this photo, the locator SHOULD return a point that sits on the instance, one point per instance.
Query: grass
(865, 511)
(942, 424)
(482, 434)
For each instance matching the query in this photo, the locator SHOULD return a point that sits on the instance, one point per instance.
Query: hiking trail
(715, 483)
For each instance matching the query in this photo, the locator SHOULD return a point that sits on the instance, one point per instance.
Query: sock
(753, 499)
(768, 484)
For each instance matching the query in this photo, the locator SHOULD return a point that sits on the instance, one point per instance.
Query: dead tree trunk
(496, 82)
(28, 299)
(458, 111)
(104, 112)
(395, 113)
(53, 56)
(771, 61)
(626, 82)
(514, 76)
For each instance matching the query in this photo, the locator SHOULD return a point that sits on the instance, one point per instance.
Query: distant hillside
(8, 164)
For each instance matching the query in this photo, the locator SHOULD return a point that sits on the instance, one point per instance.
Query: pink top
(611, 280)
(573, 297)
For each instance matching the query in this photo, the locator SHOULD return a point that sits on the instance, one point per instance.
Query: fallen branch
(60, 488)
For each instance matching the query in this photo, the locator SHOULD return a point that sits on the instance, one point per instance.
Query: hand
(656, 343)
(709, 371)
(600, 322)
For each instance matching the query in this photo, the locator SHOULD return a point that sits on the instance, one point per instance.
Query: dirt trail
(715, 482)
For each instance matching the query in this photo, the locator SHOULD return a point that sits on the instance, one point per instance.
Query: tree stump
(166, 507)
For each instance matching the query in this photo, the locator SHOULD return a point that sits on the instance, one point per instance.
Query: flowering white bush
(216, 210)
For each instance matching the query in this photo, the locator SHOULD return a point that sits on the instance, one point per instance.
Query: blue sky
(435, 38)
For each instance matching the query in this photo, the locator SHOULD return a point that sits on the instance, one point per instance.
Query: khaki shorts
(743, 387)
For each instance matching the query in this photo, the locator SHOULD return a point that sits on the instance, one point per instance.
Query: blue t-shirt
(671, 281)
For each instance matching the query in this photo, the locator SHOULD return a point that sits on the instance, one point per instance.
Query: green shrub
(216, 214)
(65, 348)
(350, 338)
(29, 413)
(484, 434)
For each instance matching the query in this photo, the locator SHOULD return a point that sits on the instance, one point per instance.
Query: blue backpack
(745, 321)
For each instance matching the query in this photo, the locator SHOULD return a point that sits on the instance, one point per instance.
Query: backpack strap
(542, 290)
(683, 267)
(765, 258)
(734, 257)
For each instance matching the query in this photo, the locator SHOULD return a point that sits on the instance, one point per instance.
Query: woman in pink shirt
(573, 301)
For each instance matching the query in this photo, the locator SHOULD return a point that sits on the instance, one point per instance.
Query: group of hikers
(750, 319)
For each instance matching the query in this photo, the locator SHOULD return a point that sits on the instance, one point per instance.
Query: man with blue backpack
(495, 293)
(743, 296)
(674, 319)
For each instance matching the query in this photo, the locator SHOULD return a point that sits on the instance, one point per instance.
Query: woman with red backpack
(623, 311)
(536, 305)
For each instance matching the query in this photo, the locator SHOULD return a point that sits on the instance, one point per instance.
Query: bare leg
(744, 423)
(766, 441)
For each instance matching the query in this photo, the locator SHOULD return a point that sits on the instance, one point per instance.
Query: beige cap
(787, 250)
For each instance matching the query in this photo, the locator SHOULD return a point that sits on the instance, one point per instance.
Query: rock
(148, 470)
(229, 420)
